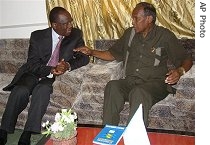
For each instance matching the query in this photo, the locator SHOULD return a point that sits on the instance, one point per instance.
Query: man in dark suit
(36, 76)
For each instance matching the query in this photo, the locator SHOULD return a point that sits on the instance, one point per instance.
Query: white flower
(57, 117)
(67, 119)
(63, 110)
(75, 115)
(55, 127)
(45, 124)
(63, 121)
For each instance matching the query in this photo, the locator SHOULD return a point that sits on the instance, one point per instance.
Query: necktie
(55, 56)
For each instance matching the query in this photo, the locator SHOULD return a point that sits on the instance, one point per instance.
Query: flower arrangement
(64, 126)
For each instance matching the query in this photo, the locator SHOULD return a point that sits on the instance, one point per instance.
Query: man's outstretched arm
(105, 55)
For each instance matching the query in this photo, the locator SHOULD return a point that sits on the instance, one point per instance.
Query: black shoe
(25, 138)
(3, 137)
(3, 141)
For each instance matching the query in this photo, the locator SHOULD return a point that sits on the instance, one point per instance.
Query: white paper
(135, 133)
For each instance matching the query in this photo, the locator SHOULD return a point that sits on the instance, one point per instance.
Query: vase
(70, 141)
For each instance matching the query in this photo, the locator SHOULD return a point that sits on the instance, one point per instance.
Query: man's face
(63, 25)
(139, 21)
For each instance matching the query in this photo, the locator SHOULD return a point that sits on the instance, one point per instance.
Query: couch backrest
(13, 53)
(104, 44)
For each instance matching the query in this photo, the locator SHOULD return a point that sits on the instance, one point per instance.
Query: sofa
(82, 89)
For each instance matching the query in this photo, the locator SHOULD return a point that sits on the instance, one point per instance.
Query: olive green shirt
(148, 57)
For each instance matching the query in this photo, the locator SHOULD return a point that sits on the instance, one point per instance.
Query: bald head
(55, 12)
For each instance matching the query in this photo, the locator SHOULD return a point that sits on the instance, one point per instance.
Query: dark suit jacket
(40, 50)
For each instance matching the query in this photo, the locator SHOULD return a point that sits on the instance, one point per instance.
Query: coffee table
(86, 134)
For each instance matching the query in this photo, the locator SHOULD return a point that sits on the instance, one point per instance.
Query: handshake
(60, 68)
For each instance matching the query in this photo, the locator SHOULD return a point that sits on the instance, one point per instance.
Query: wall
(18, 18)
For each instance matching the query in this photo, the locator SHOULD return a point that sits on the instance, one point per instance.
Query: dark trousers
(27, 86)
(117, 92)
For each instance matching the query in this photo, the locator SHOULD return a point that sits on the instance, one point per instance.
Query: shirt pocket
(158, 54)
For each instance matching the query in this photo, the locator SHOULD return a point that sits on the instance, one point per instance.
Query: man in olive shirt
(146, 50)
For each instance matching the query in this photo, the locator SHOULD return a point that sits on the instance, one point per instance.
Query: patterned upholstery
(82, 89)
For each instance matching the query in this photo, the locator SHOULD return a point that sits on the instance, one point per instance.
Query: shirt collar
(54, 35)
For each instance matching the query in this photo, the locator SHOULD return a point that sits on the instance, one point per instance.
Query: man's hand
(102, 54)
(61, 68)
(84, 50)
(173, 77)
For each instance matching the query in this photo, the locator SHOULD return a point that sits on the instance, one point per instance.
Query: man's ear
(54, 25)
(150, 19)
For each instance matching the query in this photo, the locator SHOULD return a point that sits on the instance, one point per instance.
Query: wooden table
(86, 134)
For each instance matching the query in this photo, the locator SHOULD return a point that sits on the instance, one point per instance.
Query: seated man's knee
(113, 84)
(110, 89)
(21, 90)
(43, 88)
(42, 93)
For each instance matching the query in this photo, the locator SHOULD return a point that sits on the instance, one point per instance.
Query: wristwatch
(181, 71)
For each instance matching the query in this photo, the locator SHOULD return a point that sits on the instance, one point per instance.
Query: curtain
(107, 19)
